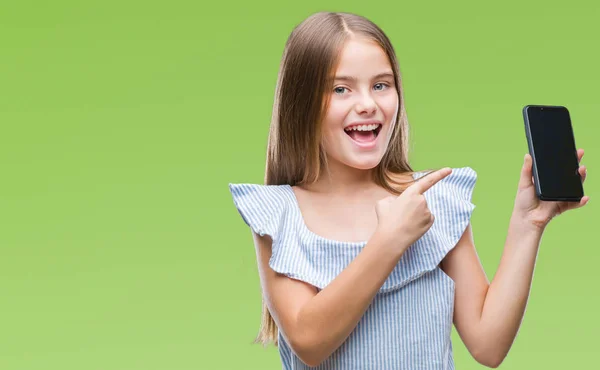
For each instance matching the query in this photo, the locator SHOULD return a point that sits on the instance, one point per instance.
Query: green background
(124, 121)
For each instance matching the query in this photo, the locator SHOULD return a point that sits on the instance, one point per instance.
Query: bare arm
(488, 316)
(314, 324)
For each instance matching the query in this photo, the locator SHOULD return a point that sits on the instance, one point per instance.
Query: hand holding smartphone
(552, 147)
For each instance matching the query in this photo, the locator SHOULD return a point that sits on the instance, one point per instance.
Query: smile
(364, 135)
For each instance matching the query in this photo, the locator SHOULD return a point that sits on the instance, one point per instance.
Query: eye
(380, 86)
(339, 90)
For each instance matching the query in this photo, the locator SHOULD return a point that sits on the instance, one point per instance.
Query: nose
(366, 104)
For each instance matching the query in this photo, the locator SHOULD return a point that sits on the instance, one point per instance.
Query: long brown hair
(295, 155)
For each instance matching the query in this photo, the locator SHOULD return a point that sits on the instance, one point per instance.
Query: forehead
(359, 57)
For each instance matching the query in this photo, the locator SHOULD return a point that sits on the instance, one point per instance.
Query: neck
(342, 179)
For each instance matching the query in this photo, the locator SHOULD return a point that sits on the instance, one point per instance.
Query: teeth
(362, 128)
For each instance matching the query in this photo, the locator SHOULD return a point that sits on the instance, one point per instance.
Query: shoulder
(416, 174)
(452, 193)
(450, 200)
(460, 182)
(462, 174)
(458, 174)
(261, 206)
(259, 192)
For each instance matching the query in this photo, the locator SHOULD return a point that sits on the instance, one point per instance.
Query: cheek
(334, 119)
(389, 104)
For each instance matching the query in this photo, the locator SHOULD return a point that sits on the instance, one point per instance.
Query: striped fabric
(409, 323)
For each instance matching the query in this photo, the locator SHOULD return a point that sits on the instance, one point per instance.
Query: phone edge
(538, 189)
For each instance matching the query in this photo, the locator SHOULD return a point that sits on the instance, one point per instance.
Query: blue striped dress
(408, 325)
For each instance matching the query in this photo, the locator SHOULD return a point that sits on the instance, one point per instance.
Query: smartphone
(552, 147)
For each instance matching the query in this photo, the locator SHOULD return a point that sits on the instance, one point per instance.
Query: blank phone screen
(554, 152)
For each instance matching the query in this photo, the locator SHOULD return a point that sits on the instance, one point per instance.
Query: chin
(364, 162)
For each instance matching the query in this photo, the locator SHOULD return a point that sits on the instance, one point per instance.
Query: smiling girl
(365, 263)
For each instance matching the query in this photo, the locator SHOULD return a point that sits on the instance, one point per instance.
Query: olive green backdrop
(124, 121)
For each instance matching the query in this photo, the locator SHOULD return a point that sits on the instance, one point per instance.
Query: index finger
(431, 179)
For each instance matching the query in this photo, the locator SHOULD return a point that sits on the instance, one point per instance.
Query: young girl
(365, 263)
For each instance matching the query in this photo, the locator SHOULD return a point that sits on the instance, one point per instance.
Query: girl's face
(362, 107)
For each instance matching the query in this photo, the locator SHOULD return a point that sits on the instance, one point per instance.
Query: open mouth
(363, 133)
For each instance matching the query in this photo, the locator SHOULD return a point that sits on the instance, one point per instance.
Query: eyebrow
(376, 77)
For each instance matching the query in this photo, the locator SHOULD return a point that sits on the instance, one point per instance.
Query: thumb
(526, 173)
